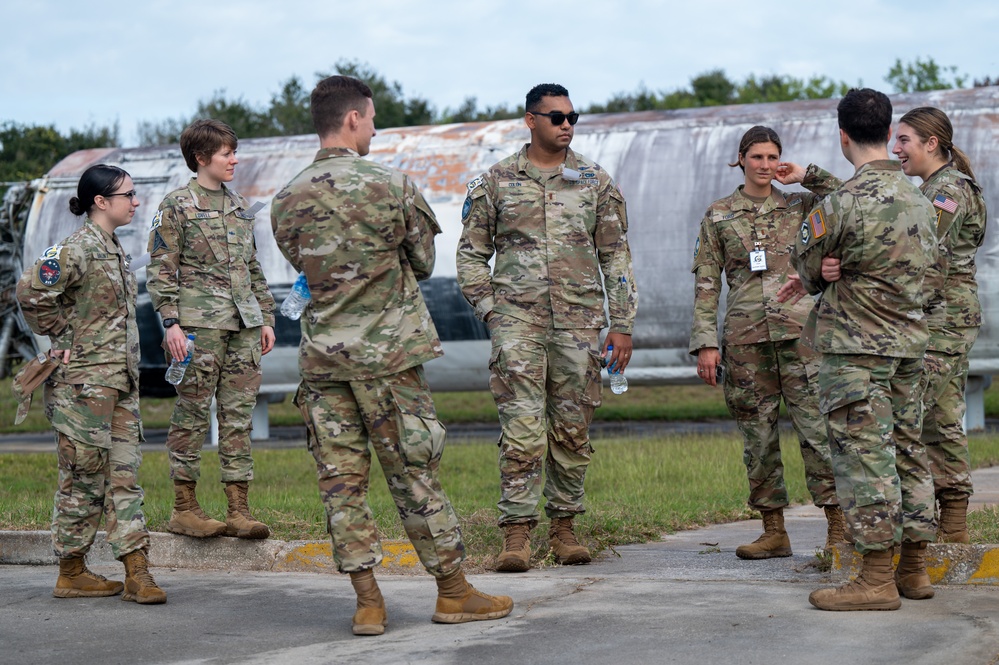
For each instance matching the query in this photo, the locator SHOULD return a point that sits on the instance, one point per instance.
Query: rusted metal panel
(670, 165)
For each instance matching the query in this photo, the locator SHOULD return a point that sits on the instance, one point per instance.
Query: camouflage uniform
(870, 328)
(760, 348)
(363, 235)
(954, 317)
(81, 295)
(204, 272)
(552, 237)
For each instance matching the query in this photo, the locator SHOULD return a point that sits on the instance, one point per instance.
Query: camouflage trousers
(98, 432)
(225, 366)
(546, 383)
(396, 415)
(756, 377)
(945, 378)
(873, 412)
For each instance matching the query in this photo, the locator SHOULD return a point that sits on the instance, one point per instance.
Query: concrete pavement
(684, 599)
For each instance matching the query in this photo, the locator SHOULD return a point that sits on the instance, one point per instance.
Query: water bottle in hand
(618, 383)
(297, 299)
(175, 373)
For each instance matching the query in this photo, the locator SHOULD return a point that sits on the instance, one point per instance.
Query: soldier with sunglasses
(556, 224)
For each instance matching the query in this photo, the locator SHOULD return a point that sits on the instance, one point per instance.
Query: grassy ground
(637, 489)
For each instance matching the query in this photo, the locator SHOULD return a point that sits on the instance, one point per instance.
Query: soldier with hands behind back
(81, 295)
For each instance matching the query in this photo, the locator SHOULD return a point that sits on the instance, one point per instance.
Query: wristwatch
(167, 323)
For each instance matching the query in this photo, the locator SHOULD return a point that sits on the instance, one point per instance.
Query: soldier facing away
(878, 230)
(81, 295)
(556, 224)
(204, 279)
(363, 235)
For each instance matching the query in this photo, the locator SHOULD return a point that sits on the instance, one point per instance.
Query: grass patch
(983, 525)
(637, 490)
(641, 403)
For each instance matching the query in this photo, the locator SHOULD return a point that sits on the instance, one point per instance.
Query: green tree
(920, 76)
(29, 151)
(392, 108)
(469, 111)
(289, 110)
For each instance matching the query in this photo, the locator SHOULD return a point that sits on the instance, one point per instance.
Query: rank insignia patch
(49, 272)
(818, 222)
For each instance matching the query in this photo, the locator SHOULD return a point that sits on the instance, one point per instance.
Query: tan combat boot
(76, 581)
(187, 518)
(563, 542)
(911, 579)
(874, 588)
(953, 521)
(238, 521)
(458, 601)
(139, 584)
(774, 541)
(516, 554)
(836, 527)
(370, 617)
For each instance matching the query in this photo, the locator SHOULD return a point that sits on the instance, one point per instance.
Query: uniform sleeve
(258, 283)
(614, 255)
(709, 261)
(475, 248)
(819, 181)
(818, 238)
(41, 292)
(166, 237)
(421, 227)
(285, 230)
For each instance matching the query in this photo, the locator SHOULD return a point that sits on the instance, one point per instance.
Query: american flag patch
(945, 203)
(818, 222)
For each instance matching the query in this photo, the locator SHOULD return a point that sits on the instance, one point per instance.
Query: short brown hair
(204, 138)
(757, 134)
(333, 98)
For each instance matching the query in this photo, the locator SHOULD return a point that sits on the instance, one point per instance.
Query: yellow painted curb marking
(988, 571)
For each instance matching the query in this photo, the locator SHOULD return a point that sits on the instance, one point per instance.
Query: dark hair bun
(76, 207)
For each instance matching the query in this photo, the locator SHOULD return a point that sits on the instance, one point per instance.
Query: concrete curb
(946, 563)
(168, 550)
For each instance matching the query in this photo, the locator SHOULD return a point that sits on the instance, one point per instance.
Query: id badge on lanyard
(758, 259)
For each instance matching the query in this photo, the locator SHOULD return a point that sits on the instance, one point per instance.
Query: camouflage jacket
(732, 227)
(955, 315)
(552, 238)
(363, 235)
(882, 229)
(81, 295)
(203, 267)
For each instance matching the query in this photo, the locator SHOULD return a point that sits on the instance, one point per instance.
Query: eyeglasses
(130, 194)
(557, 117)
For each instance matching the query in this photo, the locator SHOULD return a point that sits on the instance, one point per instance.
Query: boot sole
(79, 593)
(465, 617)
(873, 607)
(135, 598)
(368, 628)
(577, 560)
(182, 531)
(916, 594)
(513, 567)
(249, 534)
(772, 554)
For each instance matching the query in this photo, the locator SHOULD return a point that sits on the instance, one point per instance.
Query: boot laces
(563, 531)
(516, 537)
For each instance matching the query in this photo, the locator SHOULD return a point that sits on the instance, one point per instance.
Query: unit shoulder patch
(49, 272)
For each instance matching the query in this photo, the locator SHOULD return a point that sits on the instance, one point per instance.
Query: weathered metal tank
(670, 165)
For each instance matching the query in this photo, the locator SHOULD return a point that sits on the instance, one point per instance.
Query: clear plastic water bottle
(175, 372)
(297, 299)
(618, 382)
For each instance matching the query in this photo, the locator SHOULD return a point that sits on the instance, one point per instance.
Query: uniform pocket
(421, 435)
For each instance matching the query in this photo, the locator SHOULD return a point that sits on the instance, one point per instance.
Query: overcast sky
(73, 63)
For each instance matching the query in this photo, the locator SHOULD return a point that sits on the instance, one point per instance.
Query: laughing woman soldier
(81, 295)
(749, 235)
(925, 144)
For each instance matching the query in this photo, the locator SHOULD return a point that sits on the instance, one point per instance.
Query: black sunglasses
(557, 117)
